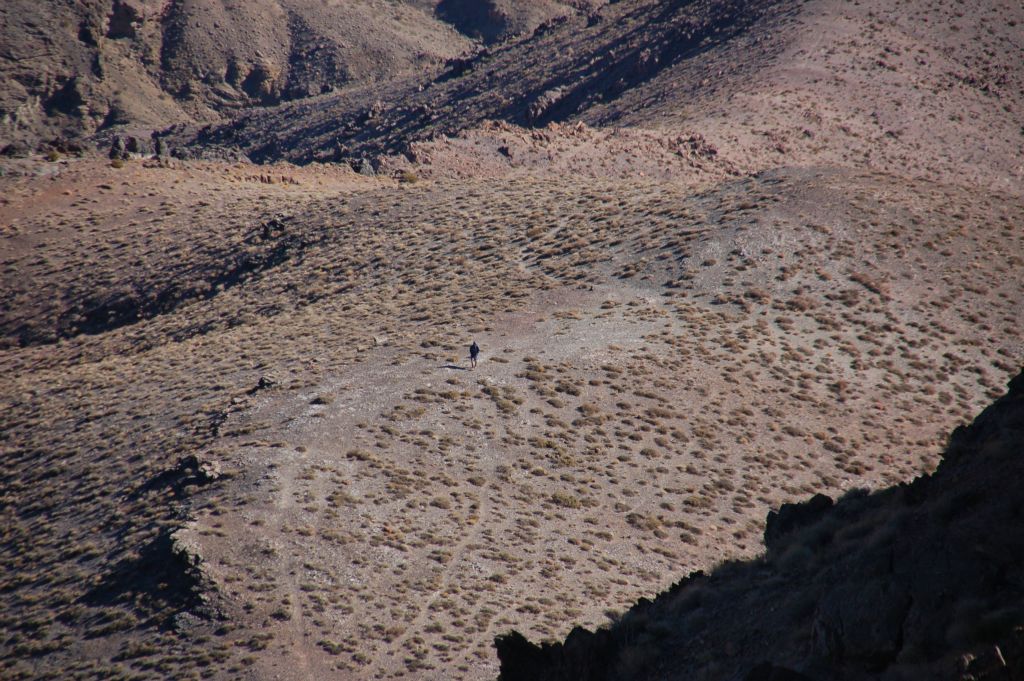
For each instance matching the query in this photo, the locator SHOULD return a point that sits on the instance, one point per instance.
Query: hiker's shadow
(455, 366)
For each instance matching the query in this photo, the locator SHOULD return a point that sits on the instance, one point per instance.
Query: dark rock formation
(67, 98)
(263, 384)
(769, 672)
(135, 145)
(491, 21)
(123, 21)
(537, 109)
(167, 571)
(363, 166)
(160, 148)
(17, 149)
(793, 516)
(190, 470)
(861, 624)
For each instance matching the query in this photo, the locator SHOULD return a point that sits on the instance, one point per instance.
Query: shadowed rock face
(494, 20)
(73, 69)
(922, 580)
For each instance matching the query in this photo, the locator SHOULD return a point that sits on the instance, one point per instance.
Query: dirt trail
(565, 326)
(420, 507)
(297, 630)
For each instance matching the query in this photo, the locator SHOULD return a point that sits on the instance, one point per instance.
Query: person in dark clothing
(474, 352)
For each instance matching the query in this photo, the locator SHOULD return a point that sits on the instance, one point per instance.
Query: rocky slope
(557, 72)
(922, 580)
(919, 89)
(69, 69)
(494, 20)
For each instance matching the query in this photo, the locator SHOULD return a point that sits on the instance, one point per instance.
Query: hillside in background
(918, 89)
(68, 70)
(721, 257)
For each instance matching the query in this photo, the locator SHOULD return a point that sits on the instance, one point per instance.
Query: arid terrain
(720, 257)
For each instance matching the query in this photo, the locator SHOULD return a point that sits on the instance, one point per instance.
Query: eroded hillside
(663, 363)
(72, 69)
(922, 90)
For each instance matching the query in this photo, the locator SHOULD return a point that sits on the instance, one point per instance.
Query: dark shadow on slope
(477, 19)
(165, 575)
(630, 62)
(190, 471)
(102, 310)
(922, 580)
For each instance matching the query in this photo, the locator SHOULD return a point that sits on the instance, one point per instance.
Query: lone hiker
(474, 352)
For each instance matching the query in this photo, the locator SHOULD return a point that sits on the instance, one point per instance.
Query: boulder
(118, 149)
(135, 145)
(160, 148)
(363, 167)
(544, 103)
(123, 20)
(17, 149)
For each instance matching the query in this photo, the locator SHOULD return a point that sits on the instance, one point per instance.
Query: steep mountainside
(553, 74)
(921, 89)
(772, 82)
(72, 68)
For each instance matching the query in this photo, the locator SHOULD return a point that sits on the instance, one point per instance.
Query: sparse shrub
(332, 647)
(643, 522)
(565, 500)
(134, 650)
